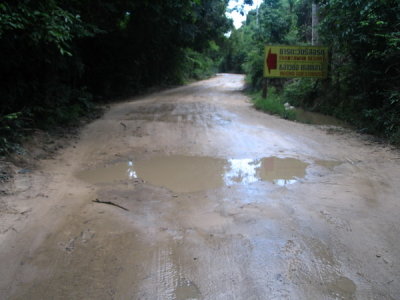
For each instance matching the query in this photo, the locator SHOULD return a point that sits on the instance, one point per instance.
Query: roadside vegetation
(364, 41)
(58, 59)
(274, 103)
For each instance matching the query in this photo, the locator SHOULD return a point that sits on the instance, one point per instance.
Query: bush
(300, 92)
(273, 104)
(10, 132)
(197, 65)
(253, 67)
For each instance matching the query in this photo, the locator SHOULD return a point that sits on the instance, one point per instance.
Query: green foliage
(149, 49)
(273, 104)
(69, 107)
(58, 57)
(234, 52)
(364, 40)
(39, 71)
(10, 128)
(253, 67)
(42, 23)
(269, 24)
(299, 92)
(303, 24)
(198, 65)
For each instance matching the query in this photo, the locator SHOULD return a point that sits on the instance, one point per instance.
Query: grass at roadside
(273, 104)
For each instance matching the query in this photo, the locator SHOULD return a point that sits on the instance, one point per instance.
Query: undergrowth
(10, 132)
(273, 104)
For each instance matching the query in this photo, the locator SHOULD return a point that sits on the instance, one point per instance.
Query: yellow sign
(296, 61)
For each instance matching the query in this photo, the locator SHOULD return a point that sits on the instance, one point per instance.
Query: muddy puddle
(342, 288)
(187, 291)
(193, 173)
(308, 117)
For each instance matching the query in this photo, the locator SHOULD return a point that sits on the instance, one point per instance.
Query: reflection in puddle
(280, 171)
(241, 171)
(192, 173)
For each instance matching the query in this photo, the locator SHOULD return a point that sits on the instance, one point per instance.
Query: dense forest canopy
(57, 56)
(60, 57)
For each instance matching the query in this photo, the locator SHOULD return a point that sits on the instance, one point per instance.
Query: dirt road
(213, 200)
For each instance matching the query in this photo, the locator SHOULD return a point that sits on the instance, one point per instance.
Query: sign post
(295, 61)
(265, 88)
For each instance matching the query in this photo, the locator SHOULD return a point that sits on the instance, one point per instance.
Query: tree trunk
(314, 24)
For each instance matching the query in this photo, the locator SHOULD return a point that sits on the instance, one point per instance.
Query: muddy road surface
(192, 194)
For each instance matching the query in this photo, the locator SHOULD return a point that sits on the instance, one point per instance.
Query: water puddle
(187, 291)
(192, 173)
(318, 119)
(342, 288)
(280, 171)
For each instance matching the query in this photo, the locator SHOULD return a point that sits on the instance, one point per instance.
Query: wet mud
(318, 119)
(222, 202)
